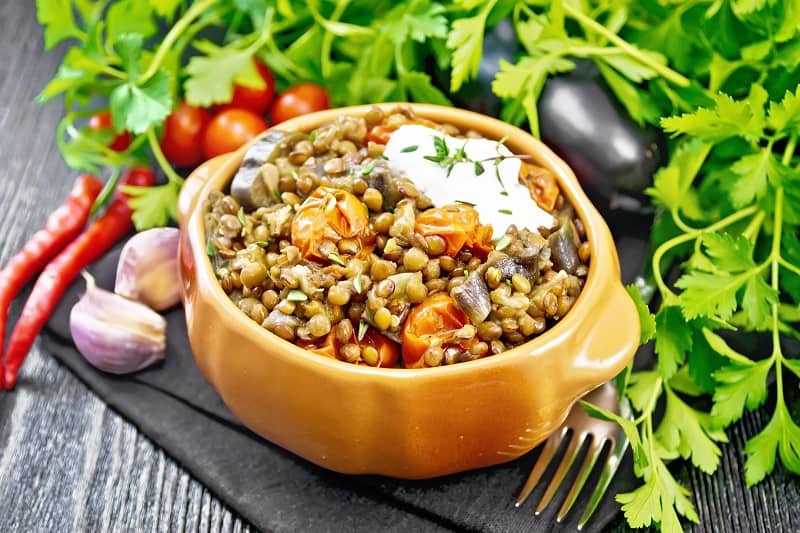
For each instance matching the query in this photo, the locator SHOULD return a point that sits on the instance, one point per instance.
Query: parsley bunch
(725, 242)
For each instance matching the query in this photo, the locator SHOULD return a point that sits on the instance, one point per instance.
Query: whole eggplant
(581, 120)
(613, 157)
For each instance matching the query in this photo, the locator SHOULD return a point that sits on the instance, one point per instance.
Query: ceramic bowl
(406, 423)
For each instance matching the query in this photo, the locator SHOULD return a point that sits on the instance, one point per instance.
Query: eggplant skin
(580, 119)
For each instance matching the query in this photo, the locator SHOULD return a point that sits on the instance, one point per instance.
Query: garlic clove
(115, 334)
(148, 268)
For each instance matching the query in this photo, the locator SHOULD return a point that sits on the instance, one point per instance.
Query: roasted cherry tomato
(251, 98)
(458, 225)
(101, 122)
(299, 100)
(229, 130)
(184, 129)
(331, 215)
(388, 350)
(380, 133)
(542, 185)
(433, 322)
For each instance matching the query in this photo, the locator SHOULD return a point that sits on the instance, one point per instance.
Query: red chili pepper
(98, 238)
(61, 228)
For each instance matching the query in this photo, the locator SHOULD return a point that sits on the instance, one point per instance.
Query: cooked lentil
(370, 267)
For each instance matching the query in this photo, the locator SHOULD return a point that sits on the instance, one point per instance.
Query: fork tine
(606, 475)
(592, 454)
(566, 463)
(549, 450)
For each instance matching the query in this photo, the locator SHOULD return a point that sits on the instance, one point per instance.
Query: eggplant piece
(563, 247)
(511, 265)
(472, 297)
(251, 187)
(581, 120)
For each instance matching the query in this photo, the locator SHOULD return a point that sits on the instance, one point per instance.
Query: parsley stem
(172, 176)
(752, 229)
(658, 255)
(666, 72)
(788, 152)
(777, 354)
(788, 266)
(174, 33)
(651, 402)
(327, 39)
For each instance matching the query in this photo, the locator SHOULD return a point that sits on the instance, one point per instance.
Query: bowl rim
(596, 231)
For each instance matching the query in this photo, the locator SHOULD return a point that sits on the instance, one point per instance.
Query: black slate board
(278, 491)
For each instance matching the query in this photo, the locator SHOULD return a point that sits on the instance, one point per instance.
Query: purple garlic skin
(148, 269)
(115, 334)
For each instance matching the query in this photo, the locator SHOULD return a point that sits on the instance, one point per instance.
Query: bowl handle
(609, 339)
(191, 187)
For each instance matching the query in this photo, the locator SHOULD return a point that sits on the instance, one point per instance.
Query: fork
(578, 428)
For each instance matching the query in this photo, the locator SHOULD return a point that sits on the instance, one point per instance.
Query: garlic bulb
(116, 334)
(148, 269)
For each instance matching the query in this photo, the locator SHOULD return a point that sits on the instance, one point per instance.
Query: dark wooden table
(69, 463)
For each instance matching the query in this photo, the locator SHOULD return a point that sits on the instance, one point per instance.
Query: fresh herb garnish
(211, 250)
(357, 284)
(369, 167)
(312, 136)
(296, 295)
(363, 326)
(241, 217)
(262, 244)
(505, 211)
(502, 242)
(336, 258)
(408, 149)
(465, 203)
(479, 168)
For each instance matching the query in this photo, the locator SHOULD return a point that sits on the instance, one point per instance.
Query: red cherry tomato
(299, 100)
(182, 142)
(250, 98)
(102, 122)
(229, 130)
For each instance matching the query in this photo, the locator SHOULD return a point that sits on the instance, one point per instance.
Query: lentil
(263, 272)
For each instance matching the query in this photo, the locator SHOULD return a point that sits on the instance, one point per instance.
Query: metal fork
(578, 428)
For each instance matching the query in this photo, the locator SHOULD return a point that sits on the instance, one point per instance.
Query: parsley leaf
(153, 206)
(784, 116)
(739, 386)
(673, 339)
(728, 118)
(466, 40)
(129, 16)
(690, 434)
(137, 108)
(58, 20)
(646, 319)
(782, 435)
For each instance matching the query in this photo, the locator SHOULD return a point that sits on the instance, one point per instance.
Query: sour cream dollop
(498, 196)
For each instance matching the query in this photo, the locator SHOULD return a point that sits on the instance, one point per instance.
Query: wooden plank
(68, 463)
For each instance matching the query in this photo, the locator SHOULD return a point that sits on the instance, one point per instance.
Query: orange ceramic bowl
(406, 423)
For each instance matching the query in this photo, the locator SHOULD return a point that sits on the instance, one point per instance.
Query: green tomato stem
(666, 72)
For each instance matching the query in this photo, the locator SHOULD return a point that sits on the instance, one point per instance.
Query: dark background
(68, 462)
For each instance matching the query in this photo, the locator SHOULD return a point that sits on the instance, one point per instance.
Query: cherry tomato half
(299, 100)
(229, 130)
(251, 98)
(458, 225)
(101, 122)
(388, 350)
(432, 322)
(330, 214)
(184, 128)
